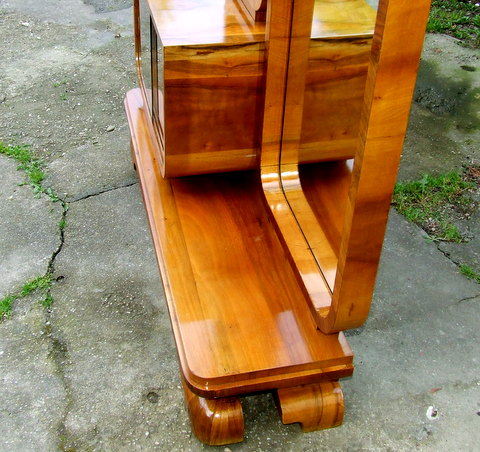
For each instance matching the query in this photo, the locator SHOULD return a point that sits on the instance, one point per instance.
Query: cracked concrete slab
(92, 168)
(111, 317)
(444, 126)
(33, 396)
(29, 232)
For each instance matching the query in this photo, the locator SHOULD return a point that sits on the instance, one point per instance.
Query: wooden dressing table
(266, 136)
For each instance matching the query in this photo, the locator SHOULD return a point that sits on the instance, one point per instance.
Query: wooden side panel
(213, 108)
(337, 72)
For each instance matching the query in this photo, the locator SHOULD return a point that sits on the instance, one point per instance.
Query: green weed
(424, 202)
(31, 166)
(60, 83)
(6, 305)
(47, 301)
(41, 284)
(62, 224)
(469, 272)
(458, 18)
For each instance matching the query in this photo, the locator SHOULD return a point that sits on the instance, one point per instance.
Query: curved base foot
(315, 407)
(215, 422)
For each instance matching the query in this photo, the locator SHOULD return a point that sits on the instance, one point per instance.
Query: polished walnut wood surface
(338, 272)
(213, 106)
(263, 268)
(215, 70)
(256, 9)
(342, 18)
(203, 22)
(238, 313)
(315, 407)
(391, 78)
(333, 99)
(215, 422)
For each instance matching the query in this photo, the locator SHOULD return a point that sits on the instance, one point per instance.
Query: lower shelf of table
(238, 313)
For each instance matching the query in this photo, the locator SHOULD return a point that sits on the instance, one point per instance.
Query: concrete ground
(97, 371)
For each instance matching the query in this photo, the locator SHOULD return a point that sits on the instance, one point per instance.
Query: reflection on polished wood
(256, 9)
(228, 282)
(315, 407)
(338, 272)
(213, 64)
(263, 266)
(215, 421)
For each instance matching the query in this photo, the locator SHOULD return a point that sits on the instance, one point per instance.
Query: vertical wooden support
(288, 31)
(396, 49)
(339, 289)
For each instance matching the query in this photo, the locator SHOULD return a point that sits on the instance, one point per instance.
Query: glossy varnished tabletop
(238, 312)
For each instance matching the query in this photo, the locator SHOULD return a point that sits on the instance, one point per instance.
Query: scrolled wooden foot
(315, 407)
(215, 422)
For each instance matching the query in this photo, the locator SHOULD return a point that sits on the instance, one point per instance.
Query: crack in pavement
(468, 298)
(58, 348)
(58, 352)
(101, 192)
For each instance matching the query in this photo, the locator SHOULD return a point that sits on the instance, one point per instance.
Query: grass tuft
(39, 283)
(42, 284)
(469, 272)
(6, 305)
(424, 203)
(31, 166)
(458, 18)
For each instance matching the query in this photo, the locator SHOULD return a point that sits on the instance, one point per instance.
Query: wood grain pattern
(336, 18)
(246, 257)
(347, 266)
(228, 281)
(315, 407)
(215, 70)
(396, 50)
(335, 84)
(221, 88)
(215, 422)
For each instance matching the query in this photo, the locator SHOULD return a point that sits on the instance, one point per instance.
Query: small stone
(25, 24)
(432, 413)
(110, 128)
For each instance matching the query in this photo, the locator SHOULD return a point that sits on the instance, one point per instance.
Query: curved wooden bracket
(338, 283)
(215, 422)
(315, 407)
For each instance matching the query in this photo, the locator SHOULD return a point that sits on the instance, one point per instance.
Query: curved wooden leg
(215, 422)
(316, 406)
